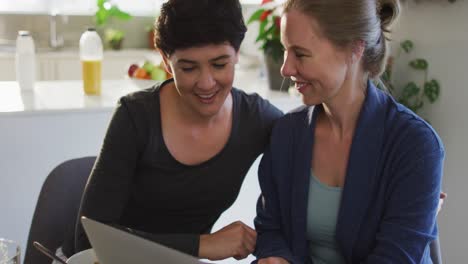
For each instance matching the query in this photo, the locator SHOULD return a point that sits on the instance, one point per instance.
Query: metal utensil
(48, 253)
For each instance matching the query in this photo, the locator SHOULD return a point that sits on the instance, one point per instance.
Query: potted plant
(114, 38)
(269, 38)
(414, 94)
(107, 10)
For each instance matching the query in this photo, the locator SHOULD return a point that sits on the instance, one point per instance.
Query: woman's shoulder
(251, 106)
(142, 103)
(254, 102)
(142, 96)
(291, 126)
(410, 130)
(300, 116)
(141, 108)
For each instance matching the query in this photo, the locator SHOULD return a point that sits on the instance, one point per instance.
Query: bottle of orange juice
(91, 55)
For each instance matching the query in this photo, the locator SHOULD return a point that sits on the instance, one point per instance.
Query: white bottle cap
(24, 42)
(91, 45)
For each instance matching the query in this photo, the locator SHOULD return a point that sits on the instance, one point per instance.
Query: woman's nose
(206, 80)
(288, 69)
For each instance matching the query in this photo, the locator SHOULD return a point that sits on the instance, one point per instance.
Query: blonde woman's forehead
(296, 28)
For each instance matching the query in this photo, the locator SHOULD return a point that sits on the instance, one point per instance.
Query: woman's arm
(109, 185)
(408, 225)
(111, 180)
(270, 241)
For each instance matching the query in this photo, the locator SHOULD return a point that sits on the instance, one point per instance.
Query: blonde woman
(353, 176)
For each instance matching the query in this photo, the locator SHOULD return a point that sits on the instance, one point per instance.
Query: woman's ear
(357, 50)
(167, 66)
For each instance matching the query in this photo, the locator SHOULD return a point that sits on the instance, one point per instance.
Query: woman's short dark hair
(189, 23)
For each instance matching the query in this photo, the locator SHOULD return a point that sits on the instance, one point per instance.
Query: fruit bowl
(147, 74)
(148, 71)
(143, 83)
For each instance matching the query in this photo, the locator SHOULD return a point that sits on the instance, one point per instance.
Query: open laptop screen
(115, 246)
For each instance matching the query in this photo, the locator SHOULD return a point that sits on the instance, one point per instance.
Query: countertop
(59, 96)
(68, 96)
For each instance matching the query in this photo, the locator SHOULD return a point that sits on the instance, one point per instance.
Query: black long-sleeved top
(138, 184)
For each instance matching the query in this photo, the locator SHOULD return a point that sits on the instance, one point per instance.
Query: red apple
(132, 69)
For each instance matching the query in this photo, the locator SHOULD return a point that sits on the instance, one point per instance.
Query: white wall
(31, 145)
(440, 33)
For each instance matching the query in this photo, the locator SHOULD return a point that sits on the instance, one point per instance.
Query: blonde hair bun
(388, 11)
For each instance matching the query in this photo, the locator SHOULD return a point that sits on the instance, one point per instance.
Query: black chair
(57, 208)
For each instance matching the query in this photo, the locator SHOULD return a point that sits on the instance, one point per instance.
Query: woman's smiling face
(317, 67)
(203, 76)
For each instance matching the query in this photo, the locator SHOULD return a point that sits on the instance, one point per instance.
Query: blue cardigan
(391, 191)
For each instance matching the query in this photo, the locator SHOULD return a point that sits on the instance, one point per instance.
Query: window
(84, 7)
(24, 6)
(77, 7)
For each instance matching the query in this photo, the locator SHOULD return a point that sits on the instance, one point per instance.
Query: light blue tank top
(322, 213)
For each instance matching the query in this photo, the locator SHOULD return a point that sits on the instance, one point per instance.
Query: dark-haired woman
(174, 156)
(353, 176)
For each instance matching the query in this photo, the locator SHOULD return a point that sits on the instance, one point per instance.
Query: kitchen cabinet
(65, 65)
(7, 68)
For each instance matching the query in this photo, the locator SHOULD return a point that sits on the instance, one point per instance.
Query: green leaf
(100, 3)
(262, 33)
(114, 11)
(385, 76)
(432, 90)
(255, 16)
(101, 17)
(403, 101)
(419, 64)
(411, 89)
(386, 82)
(418, 105)
(407, 46)
(413, 106)
(270, 31)
(275, 49)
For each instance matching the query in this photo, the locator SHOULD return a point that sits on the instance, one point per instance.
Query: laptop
(115, 246)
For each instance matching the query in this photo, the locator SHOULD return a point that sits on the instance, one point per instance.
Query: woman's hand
(236, 240)
(273, 260)
(441, 201)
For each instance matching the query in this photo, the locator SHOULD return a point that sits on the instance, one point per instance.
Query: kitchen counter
(60, 96)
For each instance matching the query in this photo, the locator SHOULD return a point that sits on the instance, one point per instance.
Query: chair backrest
(436, 255)
(57, 207)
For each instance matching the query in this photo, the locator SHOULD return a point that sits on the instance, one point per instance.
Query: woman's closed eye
(188, 69)
(192, 68)
(299, 54)
(219, 65)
